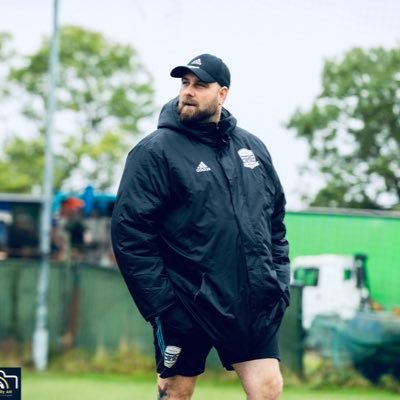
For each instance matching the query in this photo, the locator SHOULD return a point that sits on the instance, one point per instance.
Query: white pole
(40, 344)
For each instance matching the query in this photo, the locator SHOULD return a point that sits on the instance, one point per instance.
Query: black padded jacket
(199, 220)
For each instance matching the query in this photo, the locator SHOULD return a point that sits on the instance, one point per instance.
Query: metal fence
(89, 307)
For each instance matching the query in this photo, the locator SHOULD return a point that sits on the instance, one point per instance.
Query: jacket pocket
(276, 312)
(267, 291)
(177, 320)
(201, 288)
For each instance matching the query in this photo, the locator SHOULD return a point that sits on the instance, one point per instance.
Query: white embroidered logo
(197, 61)
(202, 167)
(248, 158)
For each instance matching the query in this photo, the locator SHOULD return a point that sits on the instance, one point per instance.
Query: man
(199, 237)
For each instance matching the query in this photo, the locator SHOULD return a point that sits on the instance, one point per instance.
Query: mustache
(188, 102)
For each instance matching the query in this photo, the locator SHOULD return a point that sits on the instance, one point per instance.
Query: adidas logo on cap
(197, 61)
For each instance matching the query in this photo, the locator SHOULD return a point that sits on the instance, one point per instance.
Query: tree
(353, 130)
(104, 92)
(6, 54)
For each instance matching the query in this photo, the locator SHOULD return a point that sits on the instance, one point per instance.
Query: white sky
(275, 50)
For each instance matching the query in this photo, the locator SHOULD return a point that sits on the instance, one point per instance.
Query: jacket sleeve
(142, 199)
(280, 245)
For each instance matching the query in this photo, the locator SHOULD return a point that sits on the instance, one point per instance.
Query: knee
(171, 392)
(269, 388)
(274, 388)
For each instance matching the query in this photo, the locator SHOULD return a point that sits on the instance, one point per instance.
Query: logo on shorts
(248, 158)
(171, 355)
(10, 383)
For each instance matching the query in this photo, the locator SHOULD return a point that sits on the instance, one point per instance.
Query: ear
(222, 94)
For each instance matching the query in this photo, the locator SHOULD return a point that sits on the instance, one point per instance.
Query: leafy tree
(7, 56)
(103, 94)
(5, 52)
(353, 130)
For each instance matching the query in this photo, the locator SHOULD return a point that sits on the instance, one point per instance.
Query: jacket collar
(211, 133)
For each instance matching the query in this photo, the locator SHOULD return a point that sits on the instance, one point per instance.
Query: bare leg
(261, 379)
(176, 388)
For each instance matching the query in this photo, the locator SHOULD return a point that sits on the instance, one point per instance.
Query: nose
(187, 90)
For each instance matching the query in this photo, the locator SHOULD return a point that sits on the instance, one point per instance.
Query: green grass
(61, 386)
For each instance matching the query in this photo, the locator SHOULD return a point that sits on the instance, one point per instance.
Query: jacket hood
(211, 133)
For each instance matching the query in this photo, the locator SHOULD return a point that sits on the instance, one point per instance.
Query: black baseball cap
(207, 68)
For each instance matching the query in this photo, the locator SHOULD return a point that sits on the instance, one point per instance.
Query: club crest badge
(248, 158)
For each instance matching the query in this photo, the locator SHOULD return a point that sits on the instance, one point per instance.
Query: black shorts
(189, 359)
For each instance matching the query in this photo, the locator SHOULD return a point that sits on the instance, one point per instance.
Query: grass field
(58, 386)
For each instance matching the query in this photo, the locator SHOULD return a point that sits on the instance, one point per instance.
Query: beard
(193, 113)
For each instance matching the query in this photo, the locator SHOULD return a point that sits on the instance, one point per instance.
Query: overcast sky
(274, 49)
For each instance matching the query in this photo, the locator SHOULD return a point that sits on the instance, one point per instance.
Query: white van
(333, 285)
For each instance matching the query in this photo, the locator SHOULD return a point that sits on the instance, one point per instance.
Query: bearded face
(191, 111)
(199, 101)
